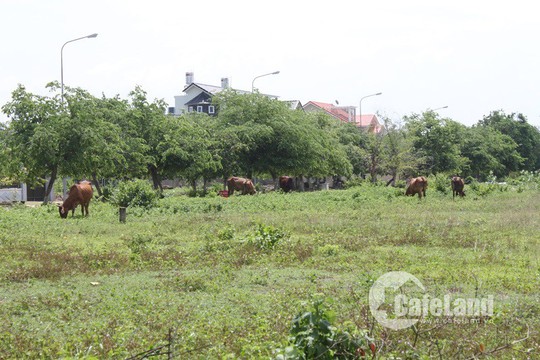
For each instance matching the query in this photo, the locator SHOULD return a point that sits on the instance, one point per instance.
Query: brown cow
(418, 186)
(457, 187)
(78, 194)
(286, 183)
(240, 184)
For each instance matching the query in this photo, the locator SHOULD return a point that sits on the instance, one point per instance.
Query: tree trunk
(373, 168)
(393, 180)
(155, 178)
(50, 185)
(275, 180)
(96, 184)
(205, 184)
(300, 183)
(194, 186)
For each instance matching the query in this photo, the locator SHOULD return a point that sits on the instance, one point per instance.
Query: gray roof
(211, 89)
(202, 98)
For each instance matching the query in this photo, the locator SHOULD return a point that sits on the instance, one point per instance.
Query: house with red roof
(368, 122)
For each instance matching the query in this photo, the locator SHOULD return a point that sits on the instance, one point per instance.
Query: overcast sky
(472, 56)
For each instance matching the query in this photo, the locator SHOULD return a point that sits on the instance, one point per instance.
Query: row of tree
(83, 136)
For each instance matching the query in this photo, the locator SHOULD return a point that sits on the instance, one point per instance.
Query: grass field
(228, 275)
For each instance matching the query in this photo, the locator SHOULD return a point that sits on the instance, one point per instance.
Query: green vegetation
(232, 276)
(225, 277)
(252, 135)
(136, 193)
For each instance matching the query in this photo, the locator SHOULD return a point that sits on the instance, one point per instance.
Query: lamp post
(360, 105)
(62, 59)
(442, 107)
(253, 82)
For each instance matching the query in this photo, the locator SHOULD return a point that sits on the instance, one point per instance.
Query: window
(190, 109)
(211, 109)
(199, 108)
(171, 110)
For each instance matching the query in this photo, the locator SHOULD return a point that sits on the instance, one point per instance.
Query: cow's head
(249, 187)
(63, 212)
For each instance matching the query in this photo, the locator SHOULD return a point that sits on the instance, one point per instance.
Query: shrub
(355, 181)
(313, 336)
(135, 193)
(526, 180)
(401, 184)
(221, 241)
(440, 182)
(266, 237)
(482, 189)
(329, 250)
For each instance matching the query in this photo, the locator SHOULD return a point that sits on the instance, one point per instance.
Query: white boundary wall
(10, 195)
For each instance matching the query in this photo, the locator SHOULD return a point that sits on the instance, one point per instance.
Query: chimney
(225, 83)
(189, 78)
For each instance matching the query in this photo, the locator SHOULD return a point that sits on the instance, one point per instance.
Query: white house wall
(179, 103)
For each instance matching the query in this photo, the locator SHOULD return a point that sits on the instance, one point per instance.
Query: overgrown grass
(229, 275)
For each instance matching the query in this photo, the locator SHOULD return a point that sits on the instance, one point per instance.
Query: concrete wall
(11, 195)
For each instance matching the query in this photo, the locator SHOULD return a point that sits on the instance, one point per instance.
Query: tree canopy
(83, 136)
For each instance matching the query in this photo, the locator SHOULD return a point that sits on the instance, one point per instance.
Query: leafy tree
(438, 140)
(526, 136)
(328, 156)
(375, 152)
(487, 150)
(36, 133)
(398, 156)
(264, 136)
(249, 118)
(96, 148)
(355, 142)
(146, 125)
(6, 160)
(189, 149)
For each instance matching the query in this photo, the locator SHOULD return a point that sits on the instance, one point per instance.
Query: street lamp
(360, 107)
(252, 83)
(62, 60)
(443, 107)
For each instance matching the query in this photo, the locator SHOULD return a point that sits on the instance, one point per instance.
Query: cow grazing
(458, 186)
(240, 184)
(78, 194)
(418, 186)
(286, 183)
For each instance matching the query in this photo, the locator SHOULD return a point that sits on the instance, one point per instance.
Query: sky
(473, 56)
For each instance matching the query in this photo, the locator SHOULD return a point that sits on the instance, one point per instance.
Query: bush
(484, 189)
(135, 193)
(314, 337)
(440, 182)
(355, 181)
(401, 184)
(526, 180)
(266, 237)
